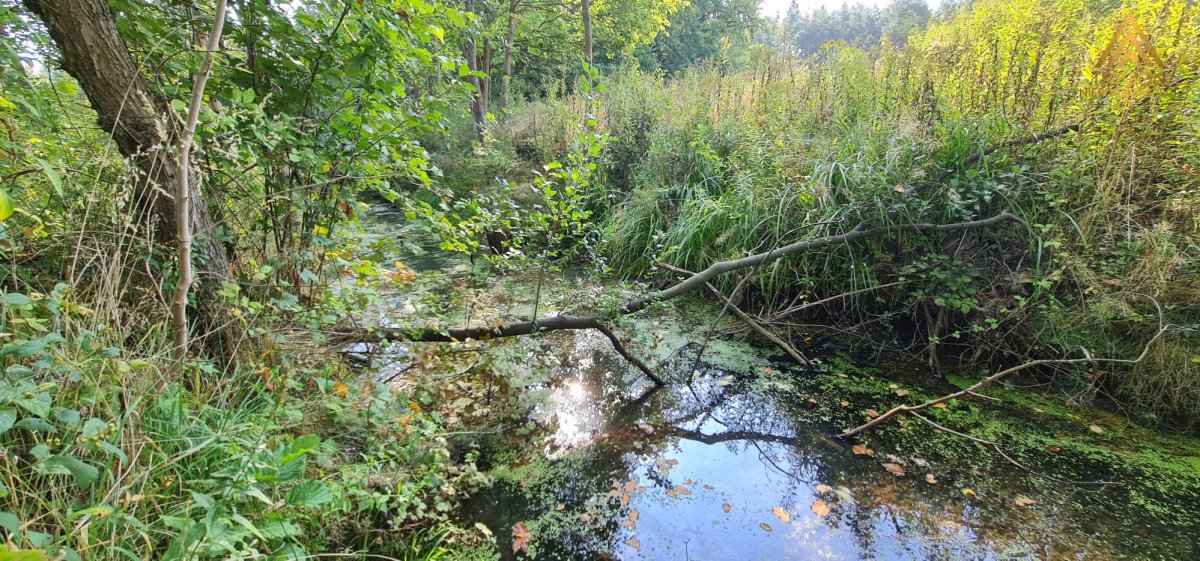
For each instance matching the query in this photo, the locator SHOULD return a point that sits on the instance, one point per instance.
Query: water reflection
(721, 470)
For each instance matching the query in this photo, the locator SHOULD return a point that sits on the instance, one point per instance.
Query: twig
(791, 351)
(1088, 358)
(995, 446)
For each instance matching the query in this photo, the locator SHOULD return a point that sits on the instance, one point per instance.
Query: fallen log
(599, 322)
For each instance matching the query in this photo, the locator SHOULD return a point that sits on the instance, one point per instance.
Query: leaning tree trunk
(470, 53)
(140, 122)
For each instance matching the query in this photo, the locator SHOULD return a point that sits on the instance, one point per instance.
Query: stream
(739, 458)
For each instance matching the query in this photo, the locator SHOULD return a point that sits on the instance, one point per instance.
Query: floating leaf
(894, 469)
(709, 487)
(930, 479)
(822, 488)
(1024, 501)
(845, 404)
(812, 401)
(1096, 429)
(969, 492)
(560, 507)
(781, 514)
(765, 526)
(682, 490)
(862, 450)
(585, 517)
(725, 381)
(634, 543)
(521, 537)
(921, 462)
(871, 413)
(726, 507)
(820, 508)
(901, 393)
(631, 521)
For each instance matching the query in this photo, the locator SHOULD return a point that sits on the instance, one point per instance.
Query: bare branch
(1088, 359)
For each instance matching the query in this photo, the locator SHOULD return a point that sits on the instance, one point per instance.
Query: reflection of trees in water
(883, 515)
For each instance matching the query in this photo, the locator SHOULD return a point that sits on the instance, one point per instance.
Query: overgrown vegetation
(609, 136)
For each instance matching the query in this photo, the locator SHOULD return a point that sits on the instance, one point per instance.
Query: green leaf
(309, 494)
(299, 447)
(7, 206)
(52, 176)
(8, 416)
(25, 555)
(85, 474)
(10, 522)
(13, 298)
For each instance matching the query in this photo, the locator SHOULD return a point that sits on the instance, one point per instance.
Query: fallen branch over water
(1087, 359)
(563, 322)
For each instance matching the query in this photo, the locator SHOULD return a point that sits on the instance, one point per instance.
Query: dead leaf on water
(521, 537)
(709, 487)
(672, 462)
(765, 526)
(726, 507)
(1024, 501)
(862, 450)
(871, 413)
(894, 469)
(1096, 429)
(820, 508)
(585, 517)
(671, 493)
(560, 507)
(812, 401)
(822, 488)
(921, 462)
(969, 492)
(725, 381)
(781, 514)
(901, 393)
(845, 404)
(682, 490)
(930, 479)
(634, 543)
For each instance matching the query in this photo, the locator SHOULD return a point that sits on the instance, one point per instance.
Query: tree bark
(506, 68)
(471, 54)
(586, 6)
(140, 122)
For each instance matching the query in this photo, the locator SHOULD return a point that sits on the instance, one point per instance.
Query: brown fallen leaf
(781, 514)
(812, 401)
(631, 485)
(671, 493)
(862, 450)
(930, 479)
(631, 522)
(709, 487)
(894, 469)
(822, 488)
(845, 404)
(1054, 449)
(625, 499)
(901, 393)
(585, 517)
(521, 537)
(682, 490)
(871, 413)
(614, 493)
(968, 492)
(672, 462)
(560, 507)
(634, 543)
(1024, 501)
(765, 526)
(726, 507)
(340, 388)
(820, 508)
(1096, 429)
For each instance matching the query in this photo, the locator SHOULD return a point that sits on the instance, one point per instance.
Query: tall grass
(723, 161)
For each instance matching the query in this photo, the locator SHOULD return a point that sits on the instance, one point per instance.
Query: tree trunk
(469, 52)
(587, 30)
(506, 69)
(140, 122)
(485, 66)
